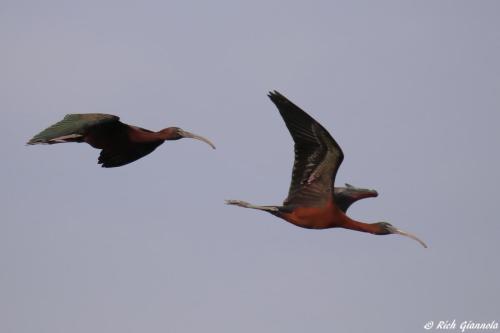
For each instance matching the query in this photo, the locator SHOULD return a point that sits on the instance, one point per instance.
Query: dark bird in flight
(311, 201)
(120, 143)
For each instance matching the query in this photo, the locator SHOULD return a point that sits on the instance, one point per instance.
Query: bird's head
(176, 133)
(385, 228)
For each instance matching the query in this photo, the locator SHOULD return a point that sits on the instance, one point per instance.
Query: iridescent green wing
(72, 127)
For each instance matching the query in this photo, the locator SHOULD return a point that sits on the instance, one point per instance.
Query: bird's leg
(271, 209)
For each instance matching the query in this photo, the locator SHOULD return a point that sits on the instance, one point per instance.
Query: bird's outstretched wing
(345, 196)
(72, 128)
(119, 155)
(317, 156)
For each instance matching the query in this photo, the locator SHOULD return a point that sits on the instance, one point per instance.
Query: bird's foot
(245, 204)
(238, 203)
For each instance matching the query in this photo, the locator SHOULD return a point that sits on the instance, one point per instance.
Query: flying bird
(121, 144)
(311, 201)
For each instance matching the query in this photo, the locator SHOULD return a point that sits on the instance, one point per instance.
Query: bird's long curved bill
(187, 134)
(412, 236)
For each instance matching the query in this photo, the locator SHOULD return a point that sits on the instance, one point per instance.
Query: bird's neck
(139, 135)
(351, 224)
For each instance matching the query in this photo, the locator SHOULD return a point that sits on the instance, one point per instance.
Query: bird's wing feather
(317, 155)
(111, 156)
(346, 196)
(72, 126)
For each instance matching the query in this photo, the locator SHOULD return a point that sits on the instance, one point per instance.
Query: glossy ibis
(310, 203)
(120, 143)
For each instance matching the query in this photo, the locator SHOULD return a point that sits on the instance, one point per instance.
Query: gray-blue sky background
(410, 90)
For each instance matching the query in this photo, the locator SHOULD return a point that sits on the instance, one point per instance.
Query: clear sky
(410, 90)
